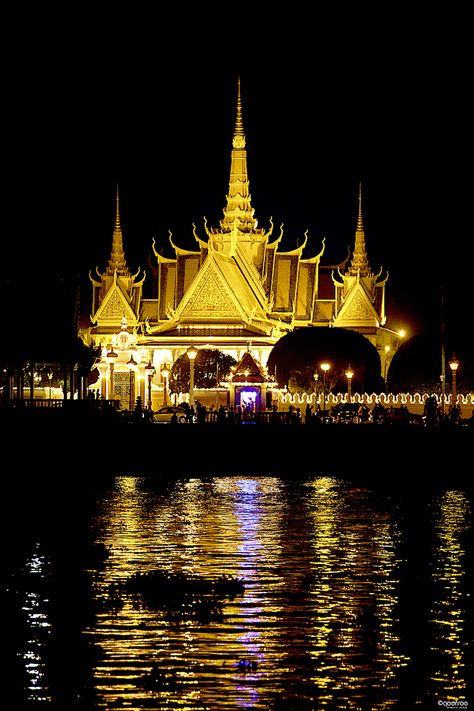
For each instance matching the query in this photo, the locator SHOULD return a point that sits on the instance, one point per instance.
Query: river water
(346, 596)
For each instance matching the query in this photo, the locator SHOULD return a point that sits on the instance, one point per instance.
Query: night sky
(91, 106)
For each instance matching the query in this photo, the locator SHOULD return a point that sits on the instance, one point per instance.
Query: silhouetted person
(430, 411)
(201, 413)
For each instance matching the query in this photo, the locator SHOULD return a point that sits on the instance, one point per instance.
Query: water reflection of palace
(353, 598)
(451, 641)
(320, 615)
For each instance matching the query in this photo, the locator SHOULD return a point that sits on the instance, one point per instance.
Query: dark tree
(210, 368)
(48, 342)
(417, 365)
(297, 357)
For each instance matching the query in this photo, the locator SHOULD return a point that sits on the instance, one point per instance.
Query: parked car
(402, 415)
(350, 412)
(165, 413)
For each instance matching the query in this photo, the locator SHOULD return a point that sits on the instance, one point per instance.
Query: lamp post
(349, 375)
(385, 363)
(165, 371)
(110, 357)
(324, 367)
(50, 378)
(175, 378)
(454, 365)
(316, 378)
(150, 371)
(35, 381)
(191, 353)
(131, 364)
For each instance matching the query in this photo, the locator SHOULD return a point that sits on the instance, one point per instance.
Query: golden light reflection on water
(197, 534)
(353, 638)
(448, 613)
(317, 623)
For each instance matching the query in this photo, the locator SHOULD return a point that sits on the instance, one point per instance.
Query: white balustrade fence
(414, 401)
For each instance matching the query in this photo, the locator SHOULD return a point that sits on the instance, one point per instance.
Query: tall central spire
(359, 263)
(117, 261)
(238, 213)
(239, 135)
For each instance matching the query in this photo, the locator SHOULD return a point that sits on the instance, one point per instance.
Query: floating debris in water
(178, 594)
(159, 680)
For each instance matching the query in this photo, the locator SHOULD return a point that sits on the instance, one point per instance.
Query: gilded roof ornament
(335, 280)
(117, 263)
(239, 135)
(270, 230)
(360, 263)
(323, 246)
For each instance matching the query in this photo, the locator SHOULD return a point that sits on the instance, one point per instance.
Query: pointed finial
(117, 256)
(360, 224)
(117, 210)
(239, 136)
(359, 265)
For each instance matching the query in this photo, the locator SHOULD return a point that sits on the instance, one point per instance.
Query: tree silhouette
(416, 366)
(297, 357)
(210, 368)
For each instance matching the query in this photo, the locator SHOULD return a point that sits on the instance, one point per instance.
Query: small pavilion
(251, 387)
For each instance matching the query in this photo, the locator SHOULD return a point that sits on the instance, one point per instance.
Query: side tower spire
(360, 263)
(117, 261)
(116, 293)
(360, 294)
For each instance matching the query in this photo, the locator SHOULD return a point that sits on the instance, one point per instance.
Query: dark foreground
(69, 444)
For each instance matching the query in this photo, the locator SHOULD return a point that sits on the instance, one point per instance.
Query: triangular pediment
(114, 308)
(219, 292)
(248, 370)
(357, 310)
(209, 297)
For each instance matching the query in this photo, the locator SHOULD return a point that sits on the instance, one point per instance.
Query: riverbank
(66, 444)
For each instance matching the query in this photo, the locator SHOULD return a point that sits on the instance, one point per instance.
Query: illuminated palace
(237, 292)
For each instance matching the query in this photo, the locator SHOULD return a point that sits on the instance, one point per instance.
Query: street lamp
(165, 371)
(386, 362)
(191, 353)
(217, 386)
(131, 364)
(454, 365)
(110, 357)
(150, 371)
(324, 367)
(316, 378)
(175, 378)
(50, 377)
(349, 375)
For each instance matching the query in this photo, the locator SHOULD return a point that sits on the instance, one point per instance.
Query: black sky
(91, 106)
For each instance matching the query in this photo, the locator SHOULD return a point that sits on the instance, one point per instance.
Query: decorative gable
(357, 310)
(248, 370)
(114, 308)
(210, 297)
